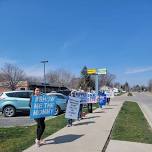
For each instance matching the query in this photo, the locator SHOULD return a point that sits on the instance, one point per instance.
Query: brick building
(25, 85)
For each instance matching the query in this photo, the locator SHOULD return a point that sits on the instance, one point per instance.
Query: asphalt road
(145, 102)
(144, 98)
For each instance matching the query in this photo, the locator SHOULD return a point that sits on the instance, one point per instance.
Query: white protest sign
(72, 108)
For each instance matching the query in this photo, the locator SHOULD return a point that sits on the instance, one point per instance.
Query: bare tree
(12, 75)
(34, 79)
(117, 85)
(126, 87)
(74, 83)
(107, 80)
(60, 77)
(150, 85)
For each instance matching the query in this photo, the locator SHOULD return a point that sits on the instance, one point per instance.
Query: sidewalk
(125, 146)
(87, 135)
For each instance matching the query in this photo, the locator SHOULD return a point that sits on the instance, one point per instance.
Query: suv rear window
(10, 94)
(60, 96)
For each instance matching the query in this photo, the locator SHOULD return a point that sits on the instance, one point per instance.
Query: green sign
(102, 71)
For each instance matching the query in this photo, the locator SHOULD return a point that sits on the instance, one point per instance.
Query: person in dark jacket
(40, 122)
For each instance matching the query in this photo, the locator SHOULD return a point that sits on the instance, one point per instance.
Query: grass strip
(131, 125)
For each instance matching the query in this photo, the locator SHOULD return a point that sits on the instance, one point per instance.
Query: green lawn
(131, 125)
(16, 139)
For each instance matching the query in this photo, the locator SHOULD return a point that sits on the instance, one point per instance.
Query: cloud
(138, 70)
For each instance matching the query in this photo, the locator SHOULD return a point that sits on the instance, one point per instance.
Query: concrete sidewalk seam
(109, 137)
(145, 114)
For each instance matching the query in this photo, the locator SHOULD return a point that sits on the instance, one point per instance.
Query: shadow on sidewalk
(63, 139)
(99, 112)
(84, 123)
(108, 108)
(112, 105)
(91, 117)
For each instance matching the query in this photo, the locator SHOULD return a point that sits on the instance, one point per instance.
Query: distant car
(61, 101)
(116, 93)
(64, 92)
(123, 91)
(12, 102)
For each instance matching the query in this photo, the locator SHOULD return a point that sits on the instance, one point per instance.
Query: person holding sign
(72, 109)
(40, 122)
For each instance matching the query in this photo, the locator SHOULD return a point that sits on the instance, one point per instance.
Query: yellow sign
(91, 71)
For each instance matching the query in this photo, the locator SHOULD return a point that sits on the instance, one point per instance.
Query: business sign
(91, 71)
(102, 71)
(42, 106)
(72, 108)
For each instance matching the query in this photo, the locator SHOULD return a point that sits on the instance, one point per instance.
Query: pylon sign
(102, 71)
(91, 71)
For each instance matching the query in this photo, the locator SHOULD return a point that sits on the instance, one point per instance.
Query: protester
(80, 111)
(70, 121)
(40, 122)
(108, 97)
(82, 95)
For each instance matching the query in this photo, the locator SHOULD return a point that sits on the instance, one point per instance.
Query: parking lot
(15, 121)
(19, 120)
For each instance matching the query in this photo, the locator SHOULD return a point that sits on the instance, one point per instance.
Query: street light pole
(44, 62)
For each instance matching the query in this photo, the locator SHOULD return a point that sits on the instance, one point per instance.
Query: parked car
(61, 101)
(12, 102)
(64, 92)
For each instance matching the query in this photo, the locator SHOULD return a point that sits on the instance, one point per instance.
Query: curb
(110, 134)
(143, 109)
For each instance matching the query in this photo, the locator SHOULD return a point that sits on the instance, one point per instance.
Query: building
(26, 85)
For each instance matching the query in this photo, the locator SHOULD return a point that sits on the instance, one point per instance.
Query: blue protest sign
(42, 106)
(92, 98)
(102, 99)
(86, 97)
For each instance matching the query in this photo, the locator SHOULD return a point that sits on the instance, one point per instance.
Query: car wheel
(57, 110)
(9, 111)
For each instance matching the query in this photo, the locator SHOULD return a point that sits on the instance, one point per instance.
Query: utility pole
(44, 62)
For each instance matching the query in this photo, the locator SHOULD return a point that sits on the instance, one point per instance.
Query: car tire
(57, 111)
(9, 111)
